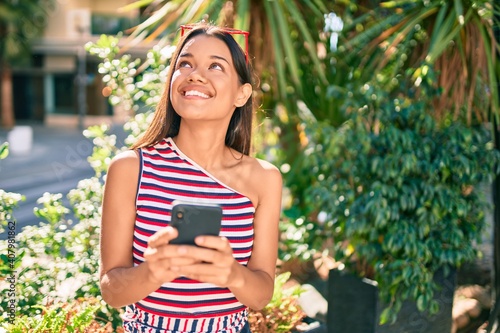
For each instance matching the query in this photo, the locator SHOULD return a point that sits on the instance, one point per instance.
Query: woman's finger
(205, 272)
(162, 236)
(214, 242)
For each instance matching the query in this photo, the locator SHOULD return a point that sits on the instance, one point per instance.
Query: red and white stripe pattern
(136, 320)
(186, 305)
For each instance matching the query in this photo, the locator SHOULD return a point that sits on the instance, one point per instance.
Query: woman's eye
(183, 64)
(216, 66)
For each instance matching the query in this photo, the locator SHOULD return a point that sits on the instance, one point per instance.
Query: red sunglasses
(230, 31)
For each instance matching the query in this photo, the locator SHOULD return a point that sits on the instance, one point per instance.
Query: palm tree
(20, 23)
(448, 46)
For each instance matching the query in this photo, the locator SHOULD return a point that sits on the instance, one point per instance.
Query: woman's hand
(213, 261)
(160, 256)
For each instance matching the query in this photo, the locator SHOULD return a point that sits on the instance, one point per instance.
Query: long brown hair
(166, 121)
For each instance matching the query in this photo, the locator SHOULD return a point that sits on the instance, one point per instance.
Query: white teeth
(195, 93)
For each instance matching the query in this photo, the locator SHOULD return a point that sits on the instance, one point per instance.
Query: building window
(110, 25)
(64, 94)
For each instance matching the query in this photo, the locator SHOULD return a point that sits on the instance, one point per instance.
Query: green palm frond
(416, 35)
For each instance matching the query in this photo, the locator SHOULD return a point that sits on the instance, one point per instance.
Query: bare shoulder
(123, 170)
(267, 168)
(121, 179)
(127, 156)
(264, 175)
(126, 161)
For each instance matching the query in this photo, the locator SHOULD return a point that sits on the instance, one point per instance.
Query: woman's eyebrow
(189, 55)
(220, 58)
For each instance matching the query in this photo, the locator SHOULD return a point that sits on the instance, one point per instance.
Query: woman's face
(205, 84)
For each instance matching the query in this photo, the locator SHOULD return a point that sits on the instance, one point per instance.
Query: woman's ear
(244, 93)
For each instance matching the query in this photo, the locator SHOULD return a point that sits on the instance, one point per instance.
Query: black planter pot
(352, 303)
(353, 307)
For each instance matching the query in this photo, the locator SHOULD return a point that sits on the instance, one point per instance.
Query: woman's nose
(196, 76)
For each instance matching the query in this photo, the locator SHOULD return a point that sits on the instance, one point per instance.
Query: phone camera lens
(180, 215)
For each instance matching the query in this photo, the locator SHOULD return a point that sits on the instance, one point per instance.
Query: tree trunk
(7, 106)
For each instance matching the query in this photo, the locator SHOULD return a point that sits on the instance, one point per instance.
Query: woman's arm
(121, 283)
(253, 285)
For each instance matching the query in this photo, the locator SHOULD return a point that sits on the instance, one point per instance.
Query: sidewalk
(56, 163)
(56, 154)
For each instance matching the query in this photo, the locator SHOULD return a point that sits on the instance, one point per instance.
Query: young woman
(196, 149)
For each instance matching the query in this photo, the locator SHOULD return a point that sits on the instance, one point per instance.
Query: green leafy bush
(395, 196)
(131, 83)
(283, 313)
(74, 317)
(56, 260)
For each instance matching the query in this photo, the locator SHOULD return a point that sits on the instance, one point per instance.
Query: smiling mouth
(195, 93)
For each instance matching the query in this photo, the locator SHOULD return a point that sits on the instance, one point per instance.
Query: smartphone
(195, 219)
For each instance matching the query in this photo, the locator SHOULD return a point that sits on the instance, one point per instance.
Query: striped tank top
(184, 305)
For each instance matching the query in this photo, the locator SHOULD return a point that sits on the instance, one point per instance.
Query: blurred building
(62, 85)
